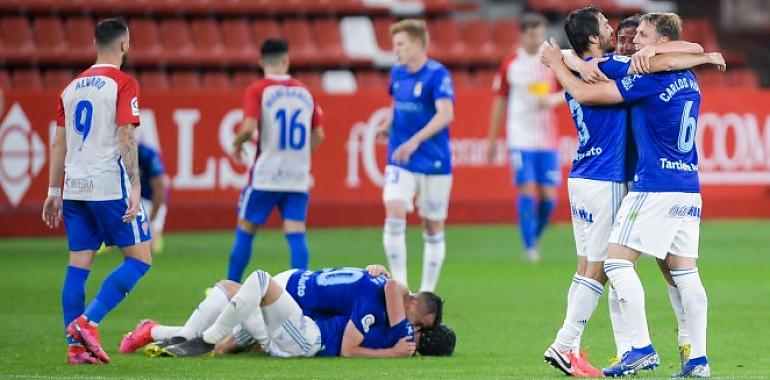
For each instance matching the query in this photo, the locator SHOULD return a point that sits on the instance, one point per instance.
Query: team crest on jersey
(367, 321)
(135, 106)
(628, 81)
(621, 58)
(417, 89)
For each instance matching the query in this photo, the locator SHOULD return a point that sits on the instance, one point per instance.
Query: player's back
(664, 119)
(91, 108)
(333, 291)
(286, 112)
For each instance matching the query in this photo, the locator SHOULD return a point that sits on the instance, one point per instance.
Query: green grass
(505, 312)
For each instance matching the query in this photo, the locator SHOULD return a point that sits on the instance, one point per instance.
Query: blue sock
(73, 295)
(527, 220)
(298, 249)
(544, 211)
(240, 255)
(115, 288)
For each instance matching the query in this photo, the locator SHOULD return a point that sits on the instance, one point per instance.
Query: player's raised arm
(129, 157)
(352, 340)
(683, 61)
(395, 294)
(584, 93)
(52, 208)
(640, 60)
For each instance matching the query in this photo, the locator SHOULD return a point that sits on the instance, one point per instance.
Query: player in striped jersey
(527, 90)
(287, 123)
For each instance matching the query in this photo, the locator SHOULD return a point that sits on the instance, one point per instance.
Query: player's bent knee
(139, 251)
(82, 259)
(230, 287)
(290, 226)
(529, 188)
(595, 271)
(433, 227)
(395, 209)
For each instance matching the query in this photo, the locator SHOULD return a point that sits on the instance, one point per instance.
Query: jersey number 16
(293, 133)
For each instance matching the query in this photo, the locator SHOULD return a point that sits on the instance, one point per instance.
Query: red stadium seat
(216, 80)
(371, 81)
(145, 42)
(57, 79)
(18, 44)
(264, 29)
(153, 81)
(302, 49)
(207, 37)
(80, 40)
(311, 79)
(329, 42)
(51, 47)
(382, 30)
(478, 38)
(185, 80)
(242, 79)
(241, 49)
(506, 35)
(27, 79)
(446, 44)
(177, 42)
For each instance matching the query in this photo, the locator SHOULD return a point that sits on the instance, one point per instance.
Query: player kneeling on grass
(347, 320)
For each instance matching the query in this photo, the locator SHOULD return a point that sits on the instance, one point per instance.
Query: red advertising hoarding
(194, 132)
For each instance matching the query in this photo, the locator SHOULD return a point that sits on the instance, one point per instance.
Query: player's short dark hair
(108, 31)
(437, 341)
(666, 24)
(580, 25)
(629, 22)
(531, 21)
(274, 47)
(432, 304)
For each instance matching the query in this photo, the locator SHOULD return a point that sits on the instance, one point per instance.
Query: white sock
(695, 305)
(394, 241)
(581, 306)
(572, 286)
(432, 259)
(206, 313)
(683, 335)
(254, 325)
(619, 328)
(631, 295)
(246, 302)
(161, 332)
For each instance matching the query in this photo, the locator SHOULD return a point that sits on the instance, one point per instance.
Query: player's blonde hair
(666, 24)
(414, 28)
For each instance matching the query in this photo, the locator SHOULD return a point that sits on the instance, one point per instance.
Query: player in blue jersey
(154, 191)
(597, 181)
(94, 155)
(661, 214)
(419, 154)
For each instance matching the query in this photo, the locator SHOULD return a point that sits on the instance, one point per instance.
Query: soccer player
(94, 149)
(625, 35)
(419, 154)
(597, 181)
(286, 120)
(526, 89)
(660, 216)
(154, 191)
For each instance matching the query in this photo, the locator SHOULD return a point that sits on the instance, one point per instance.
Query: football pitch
(505, 311)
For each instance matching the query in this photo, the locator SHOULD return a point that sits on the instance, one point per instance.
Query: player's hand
(404, 151)
(717, 60)
(590, 72)
(383, 132)
(377, 270)
(550, 52)
(134, 197)
(237, 153)
(641, 59)
(491, 150)
(52, 211)
(404, 348)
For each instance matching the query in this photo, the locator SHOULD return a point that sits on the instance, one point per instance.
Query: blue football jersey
(150, 166)
(370, 315)
(414, 105)
(664, 118)
(380, 336)
(601, 131)
(333, 291)
(332, 329)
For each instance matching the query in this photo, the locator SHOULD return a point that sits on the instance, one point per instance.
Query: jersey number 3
(293, 133)
(582, 129)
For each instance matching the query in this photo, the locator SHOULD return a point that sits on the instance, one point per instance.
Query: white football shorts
(594, 205)
(659, 223)
(432, 191)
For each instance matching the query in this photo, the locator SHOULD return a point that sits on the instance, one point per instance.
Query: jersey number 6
(293, 133)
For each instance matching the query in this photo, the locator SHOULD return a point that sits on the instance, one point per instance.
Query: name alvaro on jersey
(85, 82)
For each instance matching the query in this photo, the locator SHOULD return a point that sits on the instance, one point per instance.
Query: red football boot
(78, 355)
(140, 337)
(87, 335)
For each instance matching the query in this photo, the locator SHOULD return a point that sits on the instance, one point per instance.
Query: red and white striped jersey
(91, 108)
(286, 112)
(522, 79)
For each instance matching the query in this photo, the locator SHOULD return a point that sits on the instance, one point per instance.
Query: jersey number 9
(293, 133)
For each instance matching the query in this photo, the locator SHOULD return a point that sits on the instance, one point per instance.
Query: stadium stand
(209, 43)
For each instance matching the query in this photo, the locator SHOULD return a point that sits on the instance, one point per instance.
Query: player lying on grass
(597, 182)
(349, 307)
